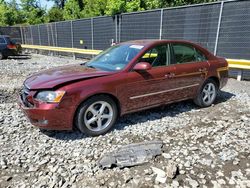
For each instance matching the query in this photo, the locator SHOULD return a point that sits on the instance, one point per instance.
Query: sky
(47, 4)
(44, 3)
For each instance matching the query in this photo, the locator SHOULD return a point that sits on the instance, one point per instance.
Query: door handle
(170, 75)
(202, 70)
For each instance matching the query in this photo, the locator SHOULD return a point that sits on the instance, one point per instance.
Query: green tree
(115, 7)
(55, 14)
(59, 3)
(33, 12)
(185, 2)
(132, 6)
(94, 8)
(10, 13)
(71, 10)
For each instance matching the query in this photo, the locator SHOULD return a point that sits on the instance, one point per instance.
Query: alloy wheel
(208, 93)
(98, 116)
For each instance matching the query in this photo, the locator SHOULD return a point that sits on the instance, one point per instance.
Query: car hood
(54, 77)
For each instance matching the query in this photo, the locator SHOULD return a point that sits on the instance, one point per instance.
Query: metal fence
(14, 32)
(222, 27)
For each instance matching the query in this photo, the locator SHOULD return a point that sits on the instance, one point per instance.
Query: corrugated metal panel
(235, 30)
(197, 24)
(35, 35)
(44, 34)
(64, 34)
(13, 32)
(103, 32)
(51, 34)
(145, 25)
(82, 33)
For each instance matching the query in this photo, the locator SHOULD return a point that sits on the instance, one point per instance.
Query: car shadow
(170, 110)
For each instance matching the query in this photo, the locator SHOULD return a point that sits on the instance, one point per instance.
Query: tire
(207, 93)
(96, 116)
(1, 56)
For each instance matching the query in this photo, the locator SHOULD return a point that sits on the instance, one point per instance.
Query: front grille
(24, 93)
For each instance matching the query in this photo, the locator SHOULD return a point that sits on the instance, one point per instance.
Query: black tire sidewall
(199, 100)
(1, 56)
(79, 121)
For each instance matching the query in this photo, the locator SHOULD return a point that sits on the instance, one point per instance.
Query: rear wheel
(96, 116)
(207, 94)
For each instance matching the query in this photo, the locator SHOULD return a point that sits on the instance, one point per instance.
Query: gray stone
(159, 172)
(172, 169)
(175, 183)
(166, 155)
(193, 183)
(187, 164)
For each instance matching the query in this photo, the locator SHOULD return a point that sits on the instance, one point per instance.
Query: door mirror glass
(142, 66)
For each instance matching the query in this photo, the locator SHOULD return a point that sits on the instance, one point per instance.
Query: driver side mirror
(142, 66)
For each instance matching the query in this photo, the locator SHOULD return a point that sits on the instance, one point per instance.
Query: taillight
(11, 46)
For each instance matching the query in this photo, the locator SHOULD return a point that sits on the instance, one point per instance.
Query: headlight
(50, 96)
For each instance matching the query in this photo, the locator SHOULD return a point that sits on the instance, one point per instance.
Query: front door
(152, 87)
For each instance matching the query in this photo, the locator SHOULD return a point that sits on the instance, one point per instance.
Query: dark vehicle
(8, 47)
(125, 78)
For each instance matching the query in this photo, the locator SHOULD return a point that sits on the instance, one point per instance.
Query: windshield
(115, 58)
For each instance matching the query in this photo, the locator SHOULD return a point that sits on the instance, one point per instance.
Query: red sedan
(125, 78)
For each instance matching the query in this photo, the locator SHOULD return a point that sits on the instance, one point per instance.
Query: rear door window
(186, 53)
(2, 40)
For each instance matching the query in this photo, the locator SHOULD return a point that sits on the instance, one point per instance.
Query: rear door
(191, 69)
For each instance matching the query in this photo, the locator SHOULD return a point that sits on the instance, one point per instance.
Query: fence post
(218, 28)
(120, 22)
(39, 35)
(56, 35)
(24, 34)
(116, 27)
(47, 27)
(72, 38)
(161, 20)
(92, 33)
(31, 34)
(21, 30)
(52, 35)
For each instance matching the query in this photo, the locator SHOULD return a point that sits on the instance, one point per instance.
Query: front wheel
(96, 116)
(207, 94)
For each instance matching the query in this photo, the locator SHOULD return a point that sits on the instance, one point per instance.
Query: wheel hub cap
(98, 116)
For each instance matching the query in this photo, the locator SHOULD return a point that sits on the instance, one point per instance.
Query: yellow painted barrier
(62, 49)
(239, 64)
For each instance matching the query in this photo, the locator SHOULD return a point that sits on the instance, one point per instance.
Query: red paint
(142, 66)
(136, 79)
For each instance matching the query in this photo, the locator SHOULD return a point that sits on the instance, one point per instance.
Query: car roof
(147, 42)
(153, 42)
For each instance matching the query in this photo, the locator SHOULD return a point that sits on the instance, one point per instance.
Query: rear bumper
(48, 116)
(223, 82)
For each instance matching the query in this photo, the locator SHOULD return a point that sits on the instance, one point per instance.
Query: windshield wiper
(90, 66)
(84, 63)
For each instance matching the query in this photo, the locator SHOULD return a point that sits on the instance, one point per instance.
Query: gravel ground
(210, 147)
